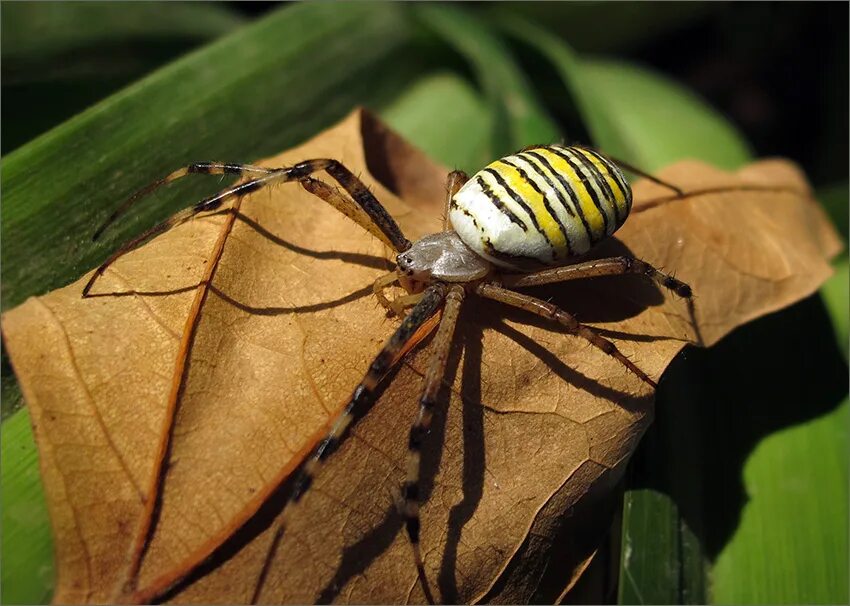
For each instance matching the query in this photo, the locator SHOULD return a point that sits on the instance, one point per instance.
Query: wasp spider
(544, 206)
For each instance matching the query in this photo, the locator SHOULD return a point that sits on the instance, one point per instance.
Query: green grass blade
(791, 544)
(634, 113)
(649, 118)
(445, 117)
(36, 35)
(61, 57)
(26, 546)
(518, 117)
(593, 27)
(836, 297)
(247, 95)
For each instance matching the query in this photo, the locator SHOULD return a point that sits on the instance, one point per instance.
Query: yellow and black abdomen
(544, 204)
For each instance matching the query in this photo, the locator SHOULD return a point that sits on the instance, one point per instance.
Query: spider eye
(405, 263)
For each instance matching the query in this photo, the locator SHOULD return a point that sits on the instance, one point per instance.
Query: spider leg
(405, 336)
(200, 168)
(347, 207)
(378, 216)
(433, 379)
(363, 396)
(399, 304)
(380, 285)
(454, 181)
(612, 266)
(635, 170)
(553, 312)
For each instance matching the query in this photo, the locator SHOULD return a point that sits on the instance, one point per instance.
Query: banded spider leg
(363, 398)
(588, 269)
(363, 208)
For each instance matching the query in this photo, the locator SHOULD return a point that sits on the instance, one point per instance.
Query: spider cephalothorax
(442, 256)
(543, 206)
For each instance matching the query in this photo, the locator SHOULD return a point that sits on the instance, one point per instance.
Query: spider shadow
(472, 323)
(565, 372)
(358, 557)
(370, 261)
(599, 299)
(474, 456)
(355, 558)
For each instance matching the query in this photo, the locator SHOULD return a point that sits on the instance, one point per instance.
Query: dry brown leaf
(255, 366)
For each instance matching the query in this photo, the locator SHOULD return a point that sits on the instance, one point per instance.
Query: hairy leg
(611, 266)
(433, 379)
(553, 312)
(454, 181)
(379, 220)
(635, 170)
(198, 168)
(359, 404)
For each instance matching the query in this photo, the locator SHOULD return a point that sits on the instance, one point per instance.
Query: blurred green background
(739, 492)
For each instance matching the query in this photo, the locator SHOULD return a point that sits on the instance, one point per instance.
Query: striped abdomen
(544, 204)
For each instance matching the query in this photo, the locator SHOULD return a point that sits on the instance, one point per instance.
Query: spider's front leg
(380, 285)
(433, 380)
(362, 206)
(397, 306)
(406, 336)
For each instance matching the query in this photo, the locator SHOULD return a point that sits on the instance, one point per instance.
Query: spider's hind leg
(611, 266)
(635, 170)
(567, 320)
(454, 181)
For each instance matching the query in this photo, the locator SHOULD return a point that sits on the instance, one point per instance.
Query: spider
(524, 220)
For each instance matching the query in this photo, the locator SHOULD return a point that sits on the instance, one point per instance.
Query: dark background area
(778, 70)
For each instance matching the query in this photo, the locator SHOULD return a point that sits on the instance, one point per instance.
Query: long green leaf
(593, 27)
(634, 113)
(245, 96)
(62, 57)
(797, 510)
(444, 115)
(36, 35)
(517, 116)
(26, 547)
(836, 296)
